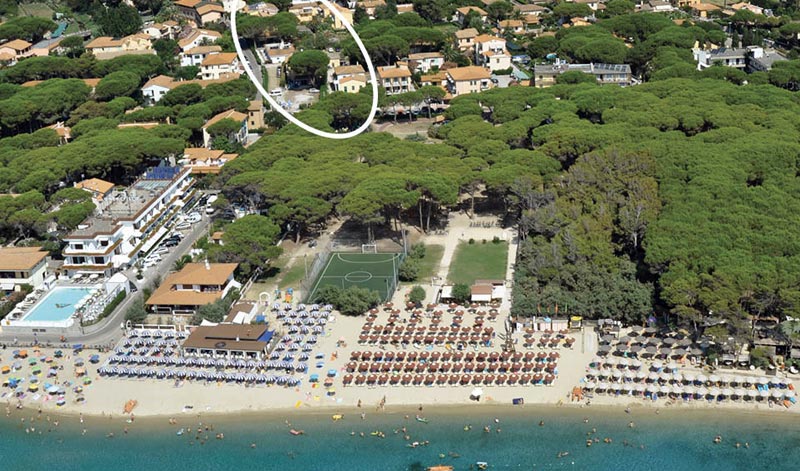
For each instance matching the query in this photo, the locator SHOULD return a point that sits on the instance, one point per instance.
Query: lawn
(429, 265)
(292, 277)
(478, 261)
(36, 9)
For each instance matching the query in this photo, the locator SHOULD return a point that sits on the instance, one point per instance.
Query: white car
(160, 250)
(193, 218)
(275, 92)
(182, 226)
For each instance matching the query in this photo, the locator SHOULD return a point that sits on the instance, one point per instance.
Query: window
(99, 261)
(104, 243)
(77, 246)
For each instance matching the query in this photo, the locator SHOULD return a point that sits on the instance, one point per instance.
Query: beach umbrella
(701, 391)
(588, 385)
(651, 350)
(622, 347)
(636, 363)
(677, 389)
(713, 378)
(689, 389)
(670, 341)
(624, 362)
(653, 376)
(610, 361)
(688, 377)
(764, 393)
(727, 392)
(702, 378)
(777, 394)
(763, 380)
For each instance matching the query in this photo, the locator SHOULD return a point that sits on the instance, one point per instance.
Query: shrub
(409, 270)
(417, 294)
(461, 292)
(112, 305)
(471, 241)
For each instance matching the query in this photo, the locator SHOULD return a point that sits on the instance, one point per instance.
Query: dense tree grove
(676, 197)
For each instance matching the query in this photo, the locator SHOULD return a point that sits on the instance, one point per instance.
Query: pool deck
(24, 312)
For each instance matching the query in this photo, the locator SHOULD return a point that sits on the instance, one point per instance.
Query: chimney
(208, 265)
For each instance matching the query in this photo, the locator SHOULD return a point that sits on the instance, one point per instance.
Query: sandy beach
(159, 397)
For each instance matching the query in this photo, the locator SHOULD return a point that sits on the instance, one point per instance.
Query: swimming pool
(58, 304)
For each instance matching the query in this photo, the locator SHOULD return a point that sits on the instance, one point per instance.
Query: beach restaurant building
(229, 341)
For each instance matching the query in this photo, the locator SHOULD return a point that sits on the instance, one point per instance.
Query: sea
(520, 438)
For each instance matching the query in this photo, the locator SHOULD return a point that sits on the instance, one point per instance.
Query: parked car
(182, 226)
(275, 92)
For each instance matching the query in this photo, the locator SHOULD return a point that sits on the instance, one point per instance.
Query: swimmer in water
(631, 425)
(541, 423)
(586, 420)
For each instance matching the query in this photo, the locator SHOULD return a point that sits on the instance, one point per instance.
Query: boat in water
(482, 465)
(296, 432)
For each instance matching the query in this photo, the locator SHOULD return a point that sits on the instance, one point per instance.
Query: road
(254, 64)
(110, 329)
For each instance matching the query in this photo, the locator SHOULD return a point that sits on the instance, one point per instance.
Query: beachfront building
(203, 161)
(484, 291)
(229, 341)
(466, 80)
(22, 266)
(544, 75)
(395, 79)
(197, 284)
(126, 223)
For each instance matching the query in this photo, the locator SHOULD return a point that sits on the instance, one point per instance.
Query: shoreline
(605, 407)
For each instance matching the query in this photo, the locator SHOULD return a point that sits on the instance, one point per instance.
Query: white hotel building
(126, 223)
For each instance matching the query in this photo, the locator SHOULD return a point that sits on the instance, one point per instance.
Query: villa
(465, 80)
(22, 266)
(205, 161)
(197, 284)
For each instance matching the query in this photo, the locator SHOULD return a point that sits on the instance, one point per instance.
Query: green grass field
(478, 261)
(36, 9)
(376, 272)
(429, 265)
(292, 277)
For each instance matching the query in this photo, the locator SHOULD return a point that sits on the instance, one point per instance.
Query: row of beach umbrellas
(689, 390)
(452, 379)
(689, 377)
(192, 374)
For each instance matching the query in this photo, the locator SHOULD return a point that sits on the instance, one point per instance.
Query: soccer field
(374, 271)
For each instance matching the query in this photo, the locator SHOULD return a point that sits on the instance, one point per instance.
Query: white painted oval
(231, 6)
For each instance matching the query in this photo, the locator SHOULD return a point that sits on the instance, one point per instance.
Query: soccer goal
(369, 248)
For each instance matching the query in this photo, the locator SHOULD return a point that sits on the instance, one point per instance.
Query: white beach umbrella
(701, 391)
(657, 364)
(636, 363)
(672, 365)
(790, 393)
(702, 378)
(676, 389)
(653, 376)
(652, 388)
(610, 360)
(639, 387)
(763, 380)
(641, 375)
(628, 375)
(590, 385)
(713, 378)
(624, 362)
(688, 377)
(750, 393)
(627, 387)
(777, 393)
(727, 392)
(764, 393)
(689, 389)
(665, 376)
(726, 379)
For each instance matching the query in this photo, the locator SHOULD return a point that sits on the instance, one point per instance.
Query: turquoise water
(57, 305)
(674, 441)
